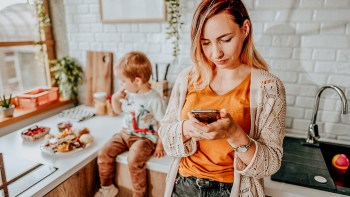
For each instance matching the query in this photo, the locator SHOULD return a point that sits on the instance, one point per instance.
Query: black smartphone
(206, 115)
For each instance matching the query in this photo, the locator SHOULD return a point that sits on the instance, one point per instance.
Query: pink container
(37, 97)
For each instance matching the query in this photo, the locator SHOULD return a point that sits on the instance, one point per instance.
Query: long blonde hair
(202, 72)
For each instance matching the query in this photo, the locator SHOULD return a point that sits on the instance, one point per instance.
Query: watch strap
(243, 148)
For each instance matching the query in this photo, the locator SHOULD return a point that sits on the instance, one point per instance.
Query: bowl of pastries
(67, 141)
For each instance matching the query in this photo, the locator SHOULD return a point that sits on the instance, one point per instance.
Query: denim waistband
(207, 183)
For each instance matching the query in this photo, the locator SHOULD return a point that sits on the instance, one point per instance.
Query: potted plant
(67, 74)
(6, 108)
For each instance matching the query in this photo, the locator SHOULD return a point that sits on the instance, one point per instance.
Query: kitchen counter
(102, 128)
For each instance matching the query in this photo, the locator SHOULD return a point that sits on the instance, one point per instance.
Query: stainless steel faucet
(312, 133)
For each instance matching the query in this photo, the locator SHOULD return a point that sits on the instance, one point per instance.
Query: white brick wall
(306, 43)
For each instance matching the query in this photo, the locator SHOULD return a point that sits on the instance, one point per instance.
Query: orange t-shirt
(214, 158)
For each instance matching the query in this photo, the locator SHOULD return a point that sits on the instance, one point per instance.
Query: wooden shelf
(21, 114)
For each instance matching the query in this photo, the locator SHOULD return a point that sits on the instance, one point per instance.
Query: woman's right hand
(190, 128)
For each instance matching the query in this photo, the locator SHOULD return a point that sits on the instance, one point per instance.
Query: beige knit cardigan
(268, 111)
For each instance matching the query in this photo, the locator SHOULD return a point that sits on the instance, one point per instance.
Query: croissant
(64, 147)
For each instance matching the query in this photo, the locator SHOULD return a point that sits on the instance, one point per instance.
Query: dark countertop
(301, 163)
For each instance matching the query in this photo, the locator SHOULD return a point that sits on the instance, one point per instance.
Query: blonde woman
(231, 156)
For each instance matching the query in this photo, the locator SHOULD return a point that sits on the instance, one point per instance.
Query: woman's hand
(191, 128)
(223, 128)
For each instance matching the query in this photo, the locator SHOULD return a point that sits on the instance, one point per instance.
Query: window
(23, 65)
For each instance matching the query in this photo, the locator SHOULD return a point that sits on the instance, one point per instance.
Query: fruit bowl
(34, 133)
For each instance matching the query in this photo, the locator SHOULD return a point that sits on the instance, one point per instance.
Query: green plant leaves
(6, 103)
(175, 25)
(43, 21)
(68, 74)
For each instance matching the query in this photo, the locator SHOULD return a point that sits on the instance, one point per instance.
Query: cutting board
(99, 74)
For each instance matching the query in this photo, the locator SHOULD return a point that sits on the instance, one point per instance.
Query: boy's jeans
(140, 150)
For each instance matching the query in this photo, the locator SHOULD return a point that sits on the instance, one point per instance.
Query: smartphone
(206, 115)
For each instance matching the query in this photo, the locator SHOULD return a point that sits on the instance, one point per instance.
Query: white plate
(48, 150)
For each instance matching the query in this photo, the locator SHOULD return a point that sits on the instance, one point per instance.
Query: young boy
(143, 109)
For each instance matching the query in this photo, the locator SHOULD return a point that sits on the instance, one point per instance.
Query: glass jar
(100, 103)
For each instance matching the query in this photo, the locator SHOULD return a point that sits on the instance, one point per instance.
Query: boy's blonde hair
(135, 64)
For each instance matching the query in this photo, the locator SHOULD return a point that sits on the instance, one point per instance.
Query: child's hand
(119, 95)
(116, 105)
(159, 151)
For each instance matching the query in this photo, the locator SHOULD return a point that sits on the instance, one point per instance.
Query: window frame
(48, 43)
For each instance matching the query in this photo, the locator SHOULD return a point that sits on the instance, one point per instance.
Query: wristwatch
(243, 148)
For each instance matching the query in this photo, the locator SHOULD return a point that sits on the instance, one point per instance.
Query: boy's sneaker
(107, 191)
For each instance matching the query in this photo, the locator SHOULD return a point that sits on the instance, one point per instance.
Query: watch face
(242, 149)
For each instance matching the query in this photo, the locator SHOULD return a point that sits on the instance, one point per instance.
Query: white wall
(306, 42)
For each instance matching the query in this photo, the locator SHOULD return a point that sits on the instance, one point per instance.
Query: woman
(231, 156)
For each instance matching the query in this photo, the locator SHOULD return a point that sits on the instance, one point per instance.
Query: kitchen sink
(328, 150)
(310, 165)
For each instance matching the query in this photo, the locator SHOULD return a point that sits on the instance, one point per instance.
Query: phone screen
(206, 116)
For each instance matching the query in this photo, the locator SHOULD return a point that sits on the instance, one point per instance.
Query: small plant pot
(7, 112)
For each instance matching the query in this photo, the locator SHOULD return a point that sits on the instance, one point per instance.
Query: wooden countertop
(21, 114)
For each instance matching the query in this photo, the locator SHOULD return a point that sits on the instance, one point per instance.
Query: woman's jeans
(196, 187)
